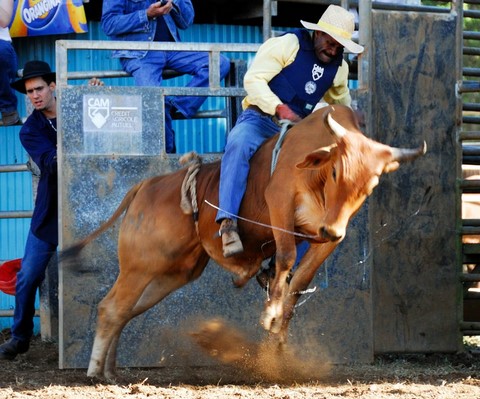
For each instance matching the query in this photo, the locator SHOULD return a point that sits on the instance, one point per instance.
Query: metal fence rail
(14, 214)
(232, 90)
(213, 49)
(270, 8)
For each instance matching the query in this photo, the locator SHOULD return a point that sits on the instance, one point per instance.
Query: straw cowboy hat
(339, 24)
(33, 69)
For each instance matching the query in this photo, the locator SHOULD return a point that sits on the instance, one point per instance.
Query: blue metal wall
(205, 135)
(15, 195)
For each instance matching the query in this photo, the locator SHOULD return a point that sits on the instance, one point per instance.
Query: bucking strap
(188, 201)
(276, 150)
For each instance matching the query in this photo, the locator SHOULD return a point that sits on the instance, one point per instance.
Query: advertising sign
(48, 17)
(112, 124)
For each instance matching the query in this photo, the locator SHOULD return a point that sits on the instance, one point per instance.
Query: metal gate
(468, 182)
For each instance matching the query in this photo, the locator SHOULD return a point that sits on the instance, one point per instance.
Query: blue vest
(303, 83)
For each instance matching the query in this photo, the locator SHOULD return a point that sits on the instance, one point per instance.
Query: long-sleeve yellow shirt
(274, 55)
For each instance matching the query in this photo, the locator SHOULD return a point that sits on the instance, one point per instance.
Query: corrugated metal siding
(15, 195)
(203, 135)
(209, 135)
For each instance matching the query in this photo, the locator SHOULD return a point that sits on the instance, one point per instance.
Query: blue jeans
(147, 71)
(302, 248)
(34, 263)
(248, 134)
(8, 73)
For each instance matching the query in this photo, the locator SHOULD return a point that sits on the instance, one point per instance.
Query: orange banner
(48, 17)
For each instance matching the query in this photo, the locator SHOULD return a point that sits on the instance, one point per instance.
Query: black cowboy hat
(33, 69)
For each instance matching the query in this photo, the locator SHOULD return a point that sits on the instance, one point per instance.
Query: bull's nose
(330, 233)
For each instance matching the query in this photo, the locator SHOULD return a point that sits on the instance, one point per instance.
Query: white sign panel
(112, 124)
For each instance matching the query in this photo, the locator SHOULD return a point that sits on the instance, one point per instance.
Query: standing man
(39, 138)
(288, 77)
(8, 67)
(159, 21)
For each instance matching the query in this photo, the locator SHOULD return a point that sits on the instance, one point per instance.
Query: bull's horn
(338, 130)
(407, 154)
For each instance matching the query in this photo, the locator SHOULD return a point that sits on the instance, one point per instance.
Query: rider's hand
(283, 111)
(159, 8)
(95, 82)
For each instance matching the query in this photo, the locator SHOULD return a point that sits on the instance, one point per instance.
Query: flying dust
(264, 359)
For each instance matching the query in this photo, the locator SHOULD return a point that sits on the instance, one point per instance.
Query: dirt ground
(36, 375)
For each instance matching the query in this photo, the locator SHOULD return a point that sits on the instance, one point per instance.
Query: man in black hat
(38, 136)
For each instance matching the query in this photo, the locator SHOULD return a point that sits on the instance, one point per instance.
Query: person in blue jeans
(8, 67)
(289, 76)
(38, 136)
(154, 21)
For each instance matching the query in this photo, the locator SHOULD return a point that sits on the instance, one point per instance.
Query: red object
(8, 275)
(283, 111)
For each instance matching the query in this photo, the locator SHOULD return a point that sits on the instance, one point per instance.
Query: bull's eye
(334, 174)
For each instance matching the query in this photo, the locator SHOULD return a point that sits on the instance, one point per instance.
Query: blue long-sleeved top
(39, 138)
(127, 20)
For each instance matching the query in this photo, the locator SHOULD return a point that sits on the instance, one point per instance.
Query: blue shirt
(162, 34)
(127, 20)
(39, 138)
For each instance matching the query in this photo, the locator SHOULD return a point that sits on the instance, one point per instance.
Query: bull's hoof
(94, 372)
(266, 276)
(239, 282)
(271, 321)
(94, 375)
(111, 377)
(102, 374)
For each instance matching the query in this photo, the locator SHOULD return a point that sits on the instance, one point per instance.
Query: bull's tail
(127, 200)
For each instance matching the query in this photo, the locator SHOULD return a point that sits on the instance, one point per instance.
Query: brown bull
(325, 171)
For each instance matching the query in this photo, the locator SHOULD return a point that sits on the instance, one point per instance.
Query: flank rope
(261, 224)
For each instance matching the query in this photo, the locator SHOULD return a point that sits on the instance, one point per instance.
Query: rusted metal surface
(413, 218)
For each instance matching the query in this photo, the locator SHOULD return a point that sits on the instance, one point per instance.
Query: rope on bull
(188, 201)
(285, 123)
